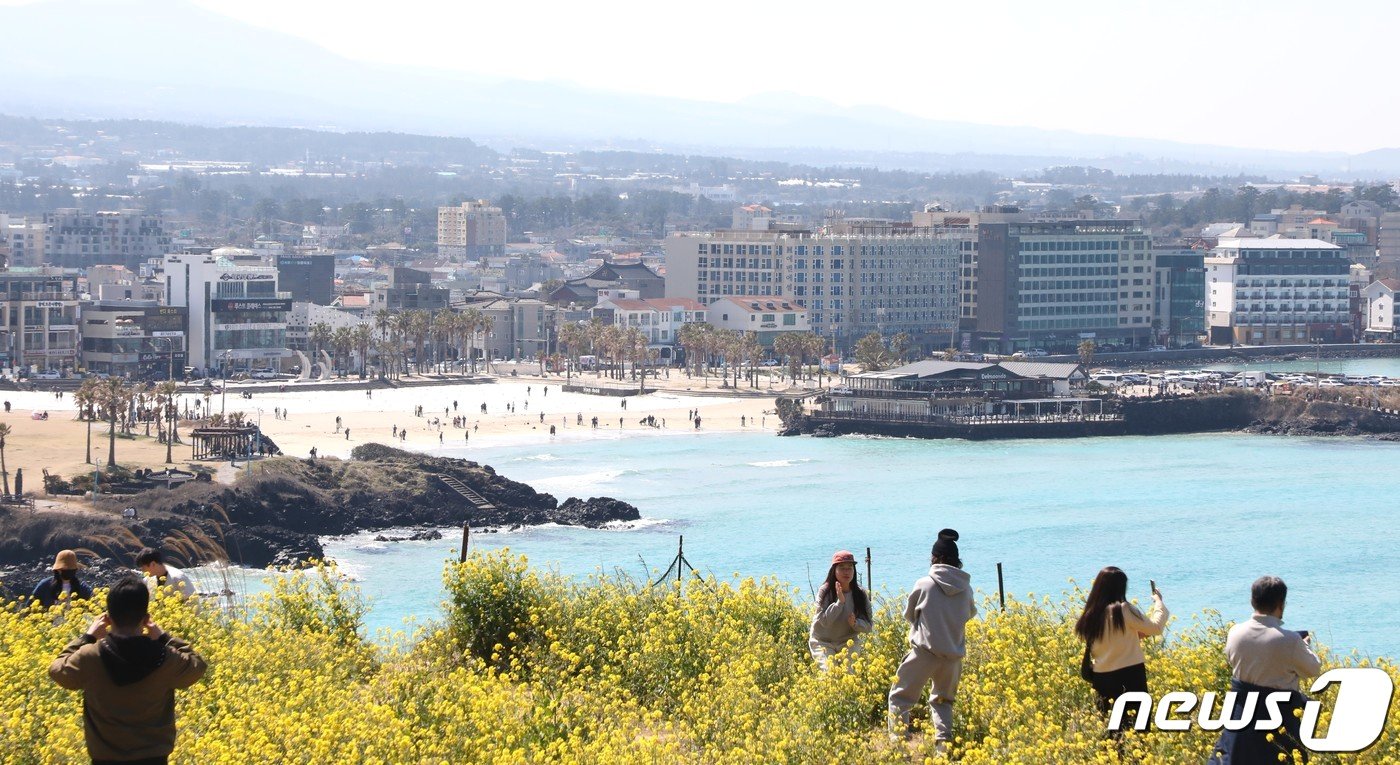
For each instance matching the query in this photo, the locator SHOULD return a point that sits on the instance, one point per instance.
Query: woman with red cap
(843, 610)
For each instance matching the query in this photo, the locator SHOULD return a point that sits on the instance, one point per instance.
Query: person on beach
(151, 562)
(64, 582)
(843, 611)
(128, 669)
(938, 610)
(1266, 658)
(1112, 630)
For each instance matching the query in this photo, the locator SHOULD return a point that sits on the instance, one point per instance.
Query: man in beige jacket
(128, 669)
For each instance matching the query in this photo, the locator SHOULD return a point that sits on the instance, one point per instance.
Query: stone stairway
(466, 492)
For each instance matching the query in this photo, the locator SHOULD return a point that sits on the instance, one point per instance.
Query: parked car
(48, 374)
(264, 374)
(1036, 353)
(1158, 348)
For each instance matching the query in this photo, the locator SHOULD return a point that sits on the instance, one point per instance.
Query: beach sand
(58, 443)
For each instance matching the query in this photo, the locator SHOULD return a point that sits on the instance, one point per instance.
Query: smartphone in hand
(1303, 634)
(1153, 584)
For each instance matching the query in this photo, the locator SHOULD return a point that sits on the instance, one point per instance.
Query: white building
(1380, 309)
(660, 319)
(236, 315)
(1277, 291)
(853, 277)
(769, 317)
(475, 229)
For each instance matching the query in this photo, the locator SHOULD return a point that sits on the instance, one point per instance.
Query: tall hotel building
(853, 277)
(1277, 291)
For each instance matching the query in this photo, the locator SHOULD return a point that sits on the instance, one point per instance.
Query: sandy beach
(58, 443)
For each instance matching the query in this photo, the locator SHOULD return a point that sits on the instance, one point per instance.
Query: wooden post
(680, 558)
(1001, 587)
(869, 582)
(466, 539)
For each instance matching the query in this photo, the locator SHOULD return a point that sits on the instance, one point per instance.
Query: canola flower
(531, 667)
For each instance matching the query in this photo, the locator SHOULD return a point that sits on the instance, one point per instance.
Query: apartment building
(24, 238)
(853, 277)
(473, 229)
(1277, 291)
(40, 311)
(237, 316)
(1052, 284)
(135, 339)
(78, 239)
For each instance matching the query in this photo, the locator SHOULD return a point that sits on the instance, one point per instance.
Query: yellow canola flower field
(530, 667)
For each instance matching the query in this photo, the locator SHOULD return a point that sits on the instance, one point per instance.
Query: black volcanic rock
(594, 512)
(276, 513)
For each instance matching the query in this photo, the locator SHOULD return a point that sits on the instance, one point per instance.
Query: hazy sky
(1282, 74)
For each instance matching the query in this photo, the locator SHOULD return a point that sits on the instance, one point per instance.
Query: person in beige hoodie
(128, 669)
(1113, 630)
(843, 611)
(938, 611)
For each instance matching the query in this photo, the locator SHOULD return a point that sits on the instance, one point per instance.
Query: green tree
(871, 353)
(1086, 352)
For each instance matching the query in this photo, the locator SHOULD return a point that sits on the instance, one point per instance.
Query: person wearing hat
(64, 583)
(843, 610)
(937, 611)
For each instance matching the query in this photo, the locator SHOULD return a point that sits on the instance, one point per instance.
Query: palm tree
(789, 345)
(113, 397)
(86, 397)
(165, 397)
(362, 337)
(573, 337)
(419, 327)
(342, 341)
(1086, 352)
(318, 336)
(752, 350)
(484, 325)
(815, 346)
(443, 328)
(4, 474)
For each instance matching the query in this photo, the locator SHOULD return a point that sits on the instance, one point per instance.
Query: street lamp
(223, 373)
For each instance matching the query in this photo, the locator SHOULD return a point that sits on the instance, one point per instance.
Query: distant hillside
(172, 60)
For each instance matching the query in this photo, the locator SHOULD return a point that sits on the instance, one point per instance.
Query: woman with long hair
(843, 610)
(1112, 630)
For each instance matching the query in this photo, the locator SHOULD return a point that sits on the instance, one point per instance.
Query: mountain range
(172, 60)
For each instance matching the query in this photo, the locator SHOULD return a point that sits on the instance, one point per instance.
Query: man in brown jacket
(128, 680)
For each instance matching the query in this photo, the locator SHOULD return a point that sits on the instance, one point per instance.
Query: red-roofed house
(660, 319)
(768, 316)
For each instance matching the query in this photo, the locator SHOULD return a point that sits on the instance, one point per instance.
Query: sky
(1284, 74)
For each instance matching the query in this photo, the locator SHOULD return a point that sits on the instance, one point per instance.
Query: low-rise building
(768, 317)
(135, 339)
(660, 319)
(410, 289)
(927, 390)
(1380, 309)
(630, 276)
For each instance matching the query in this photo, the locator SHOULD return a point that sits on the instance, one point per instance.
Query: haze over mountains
(171, 60)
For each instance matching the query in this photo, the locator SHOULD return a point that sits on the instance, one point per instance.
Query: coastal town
(722, 384)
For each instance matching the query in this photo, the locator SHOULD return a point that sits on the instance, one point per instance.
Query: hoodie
(938, 610)
(128, 686)
(831, 628)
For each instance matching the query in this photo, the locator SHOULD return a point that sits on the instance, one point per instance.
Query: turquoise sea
(1203, 515)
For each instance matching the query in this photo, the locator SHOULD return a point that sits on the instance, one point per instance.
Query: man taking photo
(128, 669)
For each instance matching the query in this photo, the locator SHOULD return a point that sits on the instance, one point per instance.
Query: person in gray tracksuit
(938, 610)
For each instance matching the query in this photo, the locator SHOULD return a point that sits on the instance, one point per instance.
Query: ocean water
(1203, 515)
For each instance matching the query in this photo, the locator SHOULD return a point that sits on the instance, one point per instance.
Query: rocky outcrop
(277, 513)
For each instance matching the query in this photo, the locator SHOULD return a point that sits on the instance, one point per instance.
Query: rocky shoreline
(276, 513)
